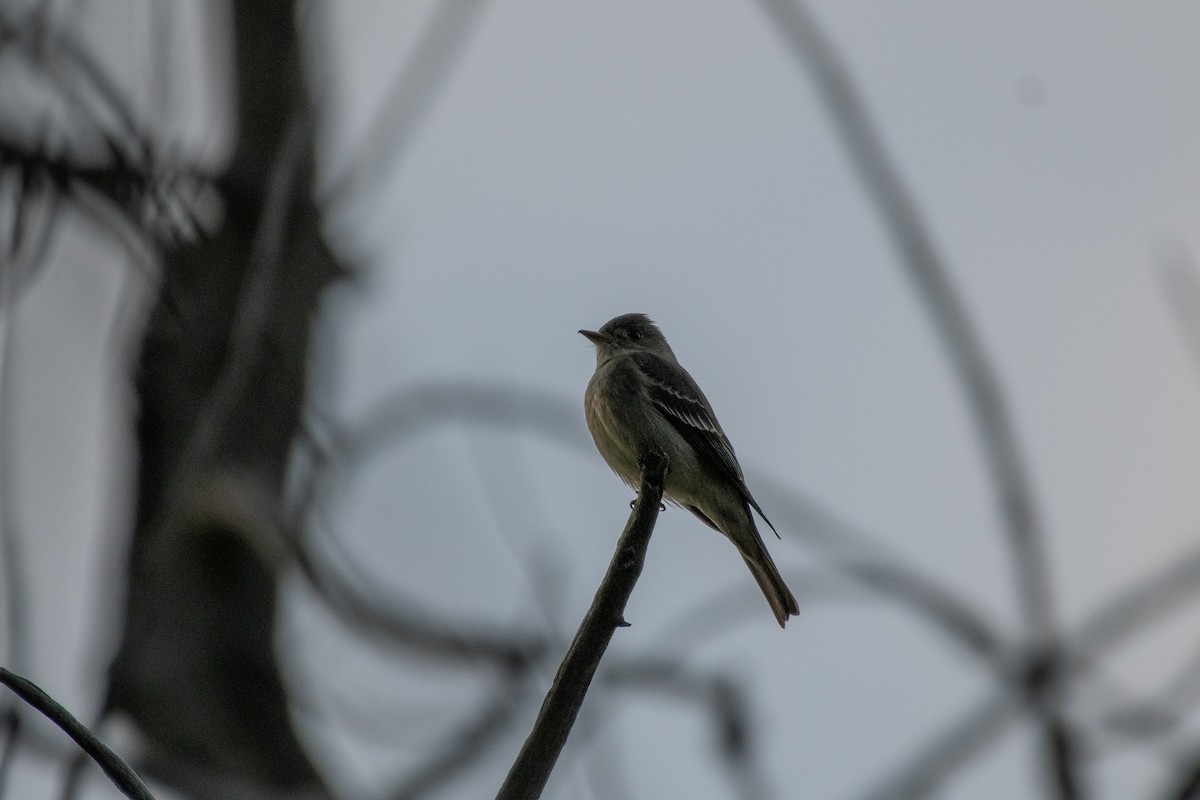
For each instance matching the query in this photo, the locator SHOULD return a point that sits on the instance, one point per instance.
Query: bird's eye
(636, 334)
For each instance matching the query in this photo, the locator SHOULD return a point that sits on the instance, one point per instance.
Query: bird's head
(628, 332)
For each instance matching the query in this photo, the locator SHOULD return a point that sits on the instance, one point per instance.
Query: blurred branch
(334, 454)
(925, 266)
(161, 203)
(465, 744)
(33, 221)
(220, 378)
(335, 457)
(76, 74)
(1180, 280)
(1028, 686)
(845, 580)
(106, 154)
(948, 751)
(11, 733)
(725, 608)
(850, 554)
(12, 562)
(119, 180)
(412, 411)
(410, 99)
(849, 551)
(1066, 747)
(721, 696)
(820, 527)
(867, 561)
(250, 326)
(1186, 785)
(35, 215)
(934, 605)
(364, 607)
(1153, 596)
(963, 346)
(531, 770)
(540, 559)
(111, 153)
(117, 770)
(1164, 709)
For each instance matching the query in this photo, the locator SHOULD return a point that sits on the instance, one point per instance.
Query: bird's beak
(595, 337)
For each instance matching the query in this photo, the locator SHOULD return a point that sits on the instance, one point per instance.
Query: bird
(640, 399)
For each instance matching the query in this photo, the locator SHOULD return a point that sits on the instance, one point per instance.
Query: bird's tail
(780, 598)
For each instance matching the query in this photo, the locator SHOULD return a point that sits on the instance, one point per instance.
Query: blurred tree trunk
(220, 383)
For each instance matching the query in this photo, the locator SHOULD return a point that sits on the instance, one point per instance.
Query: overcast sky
(589, 159)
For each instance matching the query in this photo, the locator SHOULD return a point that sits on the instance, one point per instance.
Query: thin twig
(531, 770)
(120, 773)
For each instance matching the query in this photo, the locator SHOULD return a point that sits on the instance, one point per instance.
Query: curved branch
(961, 342)
(369, 608)
(120, 773)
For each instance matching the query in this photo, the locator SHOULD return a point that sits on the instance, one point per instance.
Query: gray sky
(589, 159)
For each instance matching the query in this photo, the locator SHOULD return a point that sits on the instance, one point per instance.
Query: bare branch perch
(120, 773)
(531, 770)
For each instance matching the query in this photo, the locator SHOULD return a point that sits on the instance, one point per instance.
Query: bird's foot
(661, 506)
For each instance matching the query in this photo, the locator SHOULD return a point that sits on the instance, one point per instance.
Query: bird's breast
(611, 407)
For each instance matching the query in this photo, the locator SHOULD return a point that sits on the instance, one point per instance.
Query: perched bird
(639, 400)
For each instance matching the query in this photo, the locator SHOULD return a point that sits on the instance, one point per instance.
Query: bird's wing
(677, 397)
